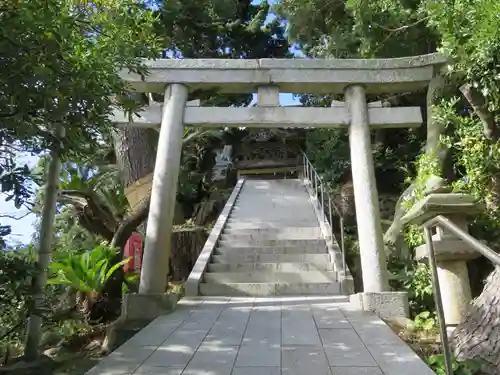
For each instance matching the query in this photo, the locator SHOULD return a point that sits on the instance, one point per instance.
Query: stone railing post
(451, 253)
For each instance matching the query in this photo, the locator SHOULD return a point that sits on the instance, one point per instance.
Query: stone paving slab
(264, 336)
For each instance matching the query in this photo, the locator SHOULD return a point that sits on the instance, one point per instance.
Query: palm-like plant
(87, 273)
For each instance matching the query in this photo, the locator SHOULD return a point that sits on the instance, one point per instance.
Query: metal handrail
(312, 177)
(474, 244)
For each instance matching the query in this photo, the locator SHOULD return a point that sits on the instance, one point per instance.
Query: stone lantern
(451, 252)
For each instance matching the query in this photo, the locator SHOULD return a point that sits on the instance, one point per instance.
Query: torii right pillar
(375, 296)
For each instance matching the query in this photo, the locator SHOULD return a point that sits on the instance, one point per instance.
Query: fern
(87, 272)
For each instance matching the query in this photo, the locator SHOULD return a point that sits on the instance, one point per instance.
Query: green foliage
(476, 158)
(425, 321)
(87, 272)
(90, 204)
(16, 271)
(414, 278)
(60, 65)
(384, 28)
(198, 159)
(5, 230)
(328, 149)
(221, 29)
(14, 178)
(426, 167)
(413, 236)
(470, 34)
(468, 367)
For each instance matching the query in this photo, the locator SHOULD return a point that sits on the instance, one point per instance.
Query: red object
(133, 249)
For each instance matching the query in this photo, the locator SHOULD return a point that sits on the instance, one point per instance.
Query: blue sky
(22, 229)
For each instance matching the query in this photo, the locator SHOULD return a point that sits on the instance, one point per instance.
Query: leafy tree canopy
(60, 62)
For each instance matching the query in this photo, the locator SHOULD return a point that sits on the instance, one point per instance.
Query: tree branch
(192, 135)
(478, 103)
(78, 193)
(100, 209)
(65, 199)
(129, 224)
(401, 28)
(6, 216)
(113, 287)
(10, 114)
(93, 225)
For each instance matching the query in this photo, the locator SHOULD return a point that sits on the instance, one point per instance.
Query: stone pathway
(264, 336)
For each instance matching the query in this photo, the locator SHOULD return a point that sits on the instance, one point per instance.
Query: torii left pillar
(152, 300)
(166, 174)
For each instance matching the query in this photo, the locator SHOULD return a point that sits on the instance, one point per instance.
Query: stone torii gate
(268, 77)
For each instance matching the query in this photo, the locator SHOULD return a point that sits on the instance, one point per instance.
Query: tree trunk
(33, 331)
(434, 147)
(135, 152)
(187, 244)
(477, 335)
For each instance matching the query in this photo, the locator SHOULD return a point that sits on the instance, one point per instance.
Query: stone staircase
(271, 244)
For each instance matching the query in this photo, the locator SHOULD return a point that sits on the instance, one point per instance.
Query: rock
(399, 324)
(57, 352)
(93, 345)
(51, 339)
(435, 184)
(52, 352)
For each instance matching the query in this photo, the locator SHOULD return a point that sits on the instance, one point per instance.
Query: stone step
(275, 190)
(258, 242)
(271, 258)
(271, 277)
(277, 193)
(299, 196)
(271, 250)
(273, 216)
(280, 267)
(280, 202)
(285, 220)
(309, 232)
(269, 289)
(282, 222)
(245, 225)
(273, 210)
(301, 199)
(274, 187)
(238, 236)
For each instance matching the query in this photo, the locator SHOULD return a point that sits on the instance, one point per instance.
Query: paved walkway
(264, 336)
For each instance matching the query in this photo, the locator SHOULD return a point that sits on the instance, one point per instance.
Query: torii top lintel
(290, 75)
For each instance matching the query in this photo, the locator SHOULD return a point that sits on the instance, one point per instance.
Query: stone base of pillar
(147, 306)
(346, 284)
(387, 305)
